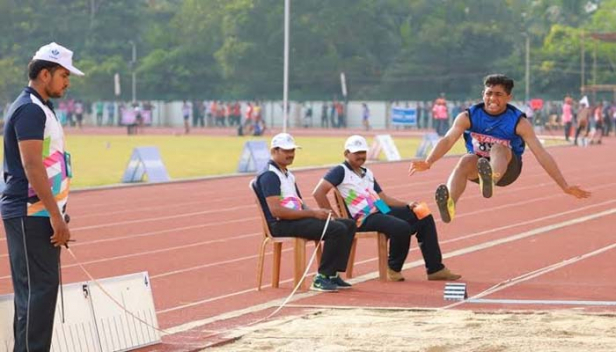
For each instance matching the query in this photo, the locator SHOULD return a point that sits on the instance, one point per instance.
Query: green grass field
(101, 160)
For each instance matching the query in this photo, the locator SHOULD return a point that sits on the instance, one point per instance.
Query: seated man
(288, 216)
(375, 211)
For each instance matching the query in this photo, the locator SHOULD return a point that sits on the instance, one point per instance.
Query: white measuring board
(120, 330)
(6, 323)
(78, 332)
(92, 321)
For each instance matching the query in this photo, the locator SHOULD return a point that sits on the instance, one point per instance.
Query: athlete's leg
(464, 171)
(500, 156)
(447, 196)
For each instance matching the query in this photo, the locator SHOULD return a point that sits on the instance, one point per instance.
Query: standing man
(373, 210)
(99, 107)
(440, 114)
(365, 116)
(186, 108)
(567, 116)
(37, 170)
(288, 216)
(324, 118)
(110, 113)
(496, 135)
(79, 110)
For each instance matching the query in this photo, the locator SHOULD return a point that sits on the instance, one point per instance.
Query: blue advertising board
(404, 116)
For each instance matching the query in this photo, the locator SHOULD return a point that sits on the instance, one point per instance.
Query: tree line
(388, 49)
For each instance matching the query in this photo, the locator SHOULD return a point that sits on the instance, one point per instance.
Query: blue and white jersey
(274, 182)
(32, 118)
(487, 130)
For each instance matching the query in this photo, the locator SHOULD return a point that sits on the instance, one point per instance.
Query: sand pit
(432, 331)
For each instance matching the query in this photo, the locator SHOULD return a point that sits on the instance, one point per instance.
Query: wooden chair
(299, 245)
(381, 241)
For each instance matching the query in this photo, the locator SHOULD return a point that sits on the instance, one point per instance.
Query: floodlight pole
(134, 69)
(582, 63)
(527, 90)
(285, 89)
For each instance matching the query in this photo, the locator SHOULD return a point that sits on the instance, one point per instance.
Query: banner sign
(404, 116)
(129, 117)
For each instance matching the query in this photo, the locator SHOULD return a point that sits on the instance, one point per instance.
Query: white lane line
(105, 260)
(161, 207)
(237, 208)
(196, 191)
(175, 230)
(203, 266)
(215, 211)
(522, 223)
(541, 302)
(533, 274)
(529, 233)
(74, 230)
(228, 239)
(373, 275)
(77, 229)
(506, 227)
(161, 218)
(402, 185)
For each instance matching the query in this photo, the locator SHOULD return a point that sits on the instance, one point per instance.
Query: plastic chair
(381, 241)
(299, 245)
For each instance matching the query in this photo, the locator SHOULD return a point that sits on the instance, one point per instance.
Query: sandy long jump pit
(431, 331)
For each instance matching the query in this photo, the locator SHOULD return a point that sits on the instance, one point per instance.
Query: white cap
(356, 143)
(57, 53)
(284, 141)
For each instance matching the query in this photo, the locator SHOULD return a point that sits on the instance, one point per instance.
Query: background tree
(233, 49)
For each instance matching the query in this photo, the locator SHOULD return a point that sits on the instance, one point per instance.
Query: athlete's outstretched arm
(461, 124)
(525, 130)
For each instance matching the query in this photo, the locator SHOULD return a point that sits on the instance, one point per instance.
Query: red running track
(198, 240)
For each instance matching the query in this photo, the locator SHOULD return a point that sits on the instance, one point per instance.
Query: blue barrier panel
(145, 161)
(254, 157)
(404, 116)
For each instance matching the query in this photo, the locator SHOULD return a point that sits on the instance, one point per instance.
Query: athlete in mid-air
(495, 134)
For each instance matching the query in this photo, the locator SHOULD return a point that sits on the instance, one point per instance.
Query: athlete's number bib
(482, 144)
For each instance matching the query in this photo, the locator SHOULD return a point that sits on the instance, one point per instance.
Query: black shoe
(486, 182)
(343, 285)
(323, 283)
